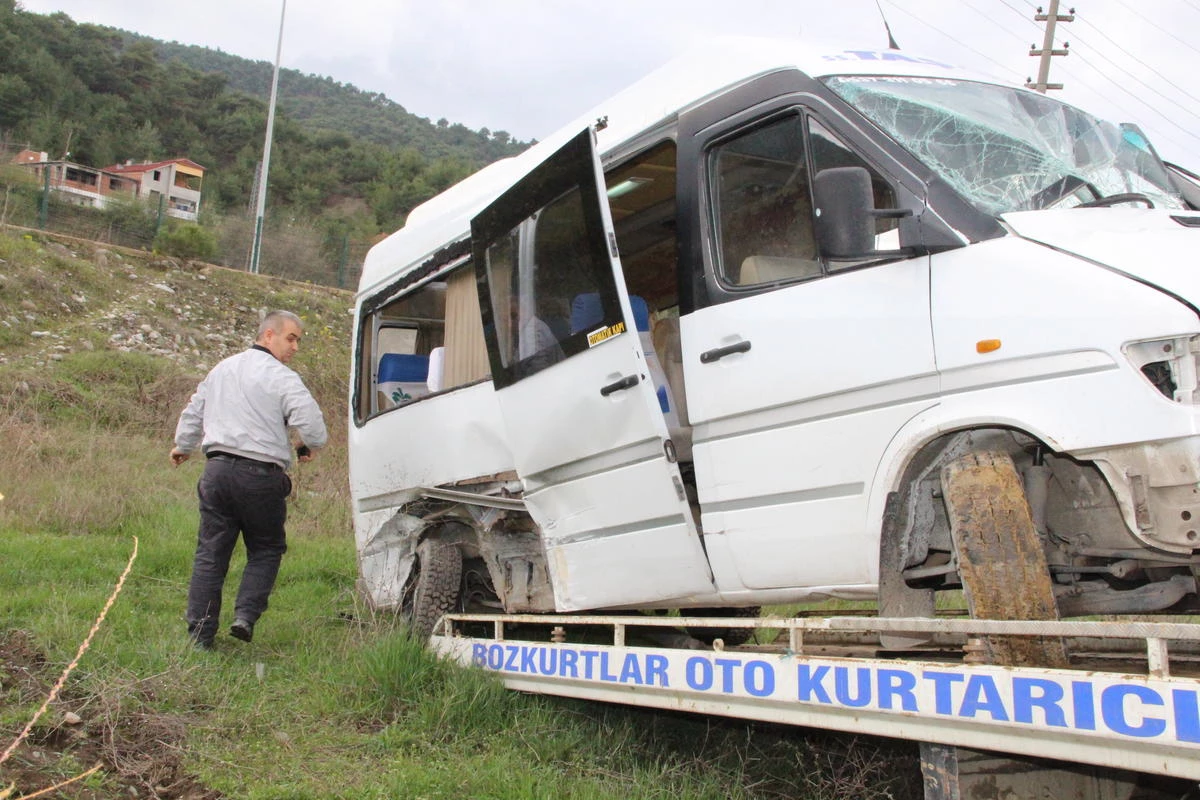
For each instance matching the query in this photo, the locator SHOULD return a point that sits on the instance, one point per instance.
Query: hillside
(60, 298)
(99, 350)
(321, 103)
(340, 155)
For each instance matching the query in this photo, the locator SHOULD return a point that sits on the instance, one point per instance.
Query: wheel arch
(386, 559)
(918, 447)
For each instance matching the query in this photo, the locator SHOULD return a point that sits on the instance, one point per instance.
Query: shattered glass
(1007, 149)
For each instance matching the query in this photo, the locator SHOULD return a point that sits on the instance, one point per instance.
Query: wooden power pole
(1051, 19)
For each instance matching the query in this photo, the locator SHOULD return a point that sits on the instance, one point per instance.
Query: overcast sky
(529, 66)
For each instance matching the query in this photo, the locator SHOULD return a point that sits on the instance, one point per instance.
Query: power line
(1022, 14)
(997, 23)
(1121, 78)
(1149, 21)
(957, 41)
(1140, 100)
(1190, 137)
(1137, 79)
(1164, 78)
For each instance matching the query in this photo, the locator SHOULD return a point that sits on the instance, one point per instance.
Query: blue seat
(402, 376)
(586, 312)
(405, 368)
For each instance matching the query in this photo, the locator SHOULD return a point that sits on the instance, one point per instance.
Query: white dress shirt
(245, 406)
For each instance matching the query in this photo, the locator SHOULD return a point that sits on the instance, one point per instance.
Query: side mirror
(844, 200)
(846, 214)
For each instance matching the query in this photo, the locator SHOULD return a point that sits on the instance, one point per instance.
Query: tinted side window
(547, 286)
(762, 205)
(760, 184)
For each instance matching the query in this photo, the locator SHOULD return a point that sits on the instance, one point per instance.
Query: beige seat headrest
(768, 269)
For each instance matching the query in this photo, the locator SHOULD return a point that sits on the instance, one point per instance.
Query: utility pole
(261, 194)
(1051, 19)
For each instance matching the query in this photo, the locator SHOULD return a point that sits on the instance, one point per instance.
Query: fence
(297, 251)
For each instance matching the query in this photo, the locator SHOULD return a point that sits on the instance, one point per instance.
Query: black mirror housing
(844, 201)
(846, 214)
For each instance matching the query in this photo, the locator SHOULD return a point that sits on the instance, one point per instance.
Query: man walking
(239, 417)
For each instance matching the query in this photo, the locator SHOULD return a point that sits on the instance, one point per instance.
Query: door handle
(628, 382)
(709, 356)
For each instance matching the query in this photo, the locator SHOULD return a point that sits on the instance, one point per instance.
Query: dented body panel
(687, 351)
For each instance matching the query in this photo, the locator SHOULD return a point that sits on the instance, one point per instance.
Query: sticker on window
(604, 334)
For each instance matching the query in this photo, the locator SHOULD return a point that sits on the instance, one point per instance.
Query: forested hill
(107, 96)
(325, 104)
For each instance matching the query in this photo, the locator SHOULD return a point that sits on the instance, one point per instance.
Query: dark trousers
(237, 496)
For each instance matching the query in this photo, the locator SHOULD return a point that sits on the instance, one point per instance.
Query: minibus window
(546, 279)
(422, 342)
(395, 346)
(763, 209)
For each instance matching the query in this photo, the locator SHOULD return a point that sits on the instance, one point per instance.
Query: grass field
(330, 700)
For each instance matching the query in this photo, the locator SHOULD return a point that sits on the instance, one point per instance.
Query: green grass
(330, 700)
(346, 705)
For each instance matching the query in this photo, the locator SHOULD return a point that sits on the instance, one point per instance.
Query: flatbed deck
(1135, 709)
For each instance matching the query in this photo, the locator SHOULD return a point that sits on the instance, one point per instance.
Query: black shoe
(202, 644)
(240, 629)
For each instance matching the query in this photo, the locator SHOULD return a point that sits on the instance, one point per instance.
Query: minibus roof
(692, 78)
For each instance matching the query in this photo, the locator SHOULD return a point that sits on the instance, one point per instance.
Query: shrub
(187, 241)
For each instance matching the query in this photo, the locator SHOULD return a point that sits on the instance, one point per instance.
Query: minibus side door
(586, 430)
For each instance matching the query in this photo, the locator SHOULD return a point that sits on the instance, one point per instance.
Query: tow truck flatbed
(1139, 713)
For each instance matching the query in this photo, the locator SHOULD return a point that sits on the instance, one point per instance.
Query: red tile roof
(142, 168)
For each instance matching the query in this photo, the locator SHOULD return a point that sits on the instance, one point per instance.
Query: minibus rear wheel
(435, 588)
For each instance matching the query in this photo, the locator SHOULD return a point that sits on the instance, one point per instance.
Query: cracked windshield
(1006, 149)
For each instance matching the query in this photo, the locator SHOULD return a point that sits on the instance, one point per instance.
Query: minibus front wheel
(1001, 560)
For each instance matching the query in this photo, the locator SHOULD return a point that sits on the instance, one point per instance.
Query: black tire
(1000, 556)
(732, 637)
(434, 586)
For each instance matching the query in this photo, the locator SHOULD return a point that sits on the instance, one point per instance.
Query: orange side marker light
(987, 345)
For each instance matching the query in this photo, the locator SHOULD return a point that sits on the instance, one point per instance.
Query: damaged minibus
(782, 325)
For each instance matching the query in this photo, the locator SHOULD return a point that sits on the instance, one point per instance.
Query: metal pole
(44, 209)
(1048, 50)
(266, 162)
(1047, 47)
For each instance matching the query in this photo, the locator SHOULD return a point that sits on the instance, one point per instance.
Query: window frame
(939, 221)
(712, 192)
(569, 171)
(365, 366)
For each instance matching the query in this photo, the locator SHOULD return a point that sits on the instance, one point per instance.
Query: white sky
(529, 66)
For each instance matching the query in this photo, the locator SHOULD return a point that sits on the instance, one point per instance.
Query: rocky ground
(135, 302)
